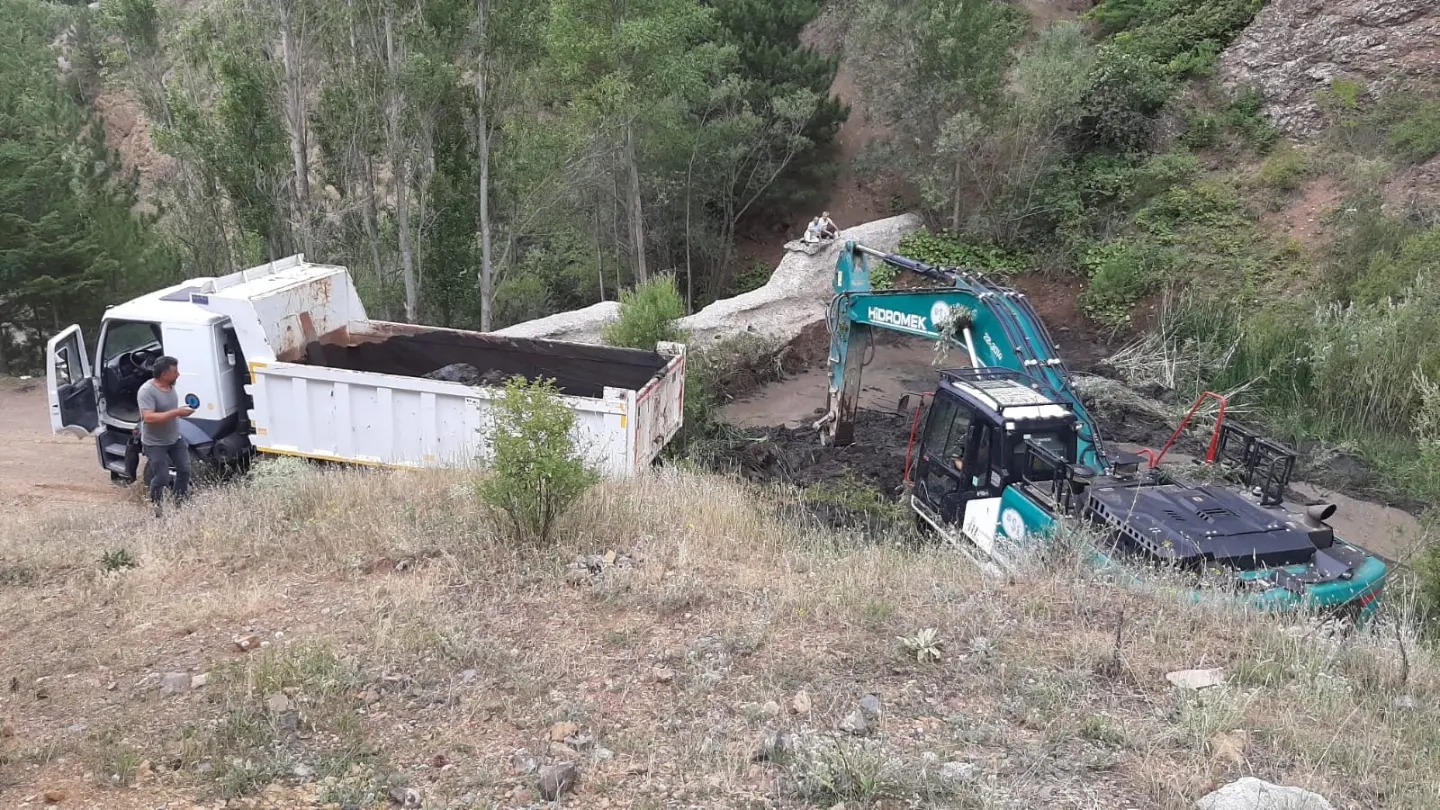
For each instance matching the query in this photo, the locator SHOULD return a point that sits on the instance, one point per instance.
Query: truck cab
(99, 399)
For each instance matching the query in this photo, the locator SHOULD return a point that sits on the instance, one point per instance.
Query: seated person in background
(812, 231)
(828, 230)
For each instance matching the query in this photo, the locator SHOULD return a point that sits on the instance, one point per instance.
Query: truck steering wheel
(143, 359)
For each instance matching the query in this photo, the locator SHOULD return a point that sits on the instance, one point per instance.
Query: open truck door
(73, 406)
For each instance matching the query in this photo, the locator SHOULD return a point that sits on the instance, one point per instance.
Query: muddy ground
(782, 446)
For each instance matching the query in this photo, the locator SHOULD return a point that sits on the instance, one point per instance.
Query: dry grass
(411, 649)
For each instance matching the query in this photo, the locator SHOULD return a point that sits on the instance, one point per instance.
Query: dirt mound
(794, 455)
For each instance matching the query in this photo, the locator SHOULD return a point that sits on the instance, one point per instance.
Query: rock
(1294, 48)
(522, 762)
(302, 771)
(801, 704)
(197, 681)
(662, 674)
(1249, 793)
(954, 774)
(773, 745)
(854, 723)
(794, 300)
(56, 796)
(405, 797)
(1196, 678)
(770, 709)
(468, 676)
(555, 780)
(521, 796)
(278, 703)
(870, 705)
(562, 731)
(247, 643)
(174, 683)
(456, 372)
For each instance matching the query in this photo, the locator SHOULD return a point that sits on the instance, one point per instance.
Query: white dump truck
(282, 359)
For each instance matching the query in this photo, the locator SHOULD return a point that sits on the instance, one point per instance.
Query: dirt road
(37, 466)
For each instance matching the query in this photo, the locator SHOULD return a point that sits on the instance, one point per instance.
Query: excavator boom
(995, 326)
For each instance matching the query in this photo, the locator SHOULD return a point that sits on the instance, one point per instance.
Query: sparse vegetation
(475, 651)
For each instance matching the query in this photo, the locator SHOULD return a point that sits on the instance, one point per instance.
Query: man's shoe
(159, 510)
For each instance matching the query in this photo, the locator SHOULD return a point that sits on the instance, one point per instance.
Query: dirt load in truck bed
(578, 370)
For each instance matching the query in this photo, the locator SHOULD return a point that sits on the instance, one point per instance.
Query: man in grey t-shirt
(160, 431)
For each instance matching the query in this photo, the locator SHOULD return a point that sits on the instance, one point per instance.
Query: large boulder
(575, 326)
(792, 301)
(1293, 48)
(1249, 793)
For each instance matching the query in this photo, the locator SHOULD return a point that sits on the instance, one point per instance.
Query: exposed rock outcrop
(794, 299)
(1294, 48)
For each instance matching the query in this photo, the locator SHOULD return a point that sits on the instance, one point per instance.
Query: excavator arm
(993, 326)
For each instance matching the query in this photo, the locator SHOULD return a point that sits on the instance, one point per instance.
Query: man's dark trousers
(162, 457)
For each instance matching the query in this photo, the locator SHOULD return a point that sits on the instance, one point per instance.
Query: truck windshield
(121, 338)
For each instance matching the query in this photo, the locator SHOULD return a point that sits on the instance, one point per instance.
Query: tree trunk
(633, 209)
(295, 117)
(482, 148)
(400, 169)
(955, 201)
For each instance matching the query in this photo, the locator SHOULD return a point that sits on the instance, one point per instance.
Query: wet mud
(578, 370)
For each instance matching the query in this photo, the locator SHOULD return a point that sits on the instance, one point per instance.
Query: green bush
(1245, 114)
(537, 473)
(1392, 275)
(1416, 138)
(1183, 35)
(1365, 237)
(1286, 169)
(1121, 271)
(948, 250)
(1119, 109)
(521, 298)
(648, 314)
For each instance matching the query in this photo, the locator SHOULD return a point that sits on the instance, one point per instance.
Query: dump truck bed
(328, 383)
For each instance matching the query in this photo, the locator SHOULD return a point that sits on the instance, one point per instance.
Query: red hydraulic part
(1214, 437)
(914, 430)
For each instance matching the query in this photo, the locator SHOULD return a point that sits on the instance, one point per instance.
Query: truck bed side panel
(382, 419)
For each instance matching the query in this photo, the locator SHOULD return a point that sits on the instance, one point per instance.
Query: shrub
(1417, 137)
(1121, 271)
(648, 313)
(1119, 110)
(536, 474)
(945, 249)
(1285, 169)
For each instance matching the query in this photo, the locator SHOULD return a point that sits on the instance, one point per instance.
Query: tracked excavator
(1004, 457)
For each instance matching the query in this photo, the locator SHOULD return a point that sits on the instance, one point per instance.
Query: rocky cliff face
(1295, 47)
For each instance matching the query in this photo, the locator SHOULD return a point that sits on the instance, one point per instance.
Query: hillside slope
(339, 638)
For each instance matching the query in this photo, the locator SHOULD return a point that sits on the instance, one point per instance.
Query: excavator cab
(983, 432)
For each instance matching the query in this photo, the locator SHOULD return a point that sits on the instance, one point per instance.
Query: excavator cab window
(953, 465)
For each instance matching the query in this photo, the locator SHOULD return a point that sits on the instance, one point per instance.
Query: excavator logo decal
(903, 320)
(994, 350)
